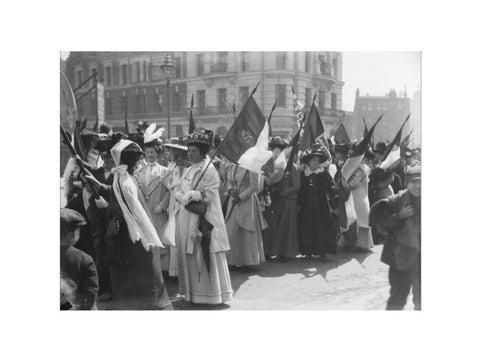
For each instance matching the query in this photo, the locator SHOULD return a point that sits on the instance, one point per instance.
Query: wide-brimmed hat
(177, 143)
(311, 153)
(200, 136)
(152, 137)
(278, 142)
(124, 146)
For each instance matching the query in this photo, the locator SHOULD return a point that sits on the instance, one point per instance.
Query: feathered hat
(177, 143)
(200, 136)
(152, 137)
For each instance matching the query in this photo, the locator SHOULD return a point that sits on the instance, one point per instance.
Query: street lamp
(167, 68)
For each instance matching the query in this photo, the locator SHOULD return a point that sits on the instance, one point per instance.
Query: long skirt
(140, 285)
(246, 247)
(364, 240)
(194, 281)
(281, 237)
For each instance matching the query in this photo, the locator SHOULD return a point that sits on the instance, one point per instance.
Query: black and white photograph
(219, 180)
(278, 176)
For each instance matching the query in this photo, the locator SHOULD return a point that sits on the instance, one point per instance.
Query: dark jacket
(80, 268)
(402, 245)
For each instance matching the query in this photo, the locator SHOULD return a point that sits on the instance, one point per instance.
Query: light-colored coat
(208, 186)
(247, 211)
(358, 184)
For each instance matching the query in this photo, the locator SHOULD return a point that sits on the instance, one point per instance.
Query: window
(78, 77)
(138, 103)
(108, 104)
(308, 97)
(222, 57)
(369, 106)
(321, 100)
(334, 67)
(384, 106)
(144, 100)
(158, 101)
(145, 68)
(308, 62)
(178, 130)
(244, 61)
(200, 65)
(364, 107)
(108, 75)
(136, 72)
(92, 80)
(201, 100)
(124, 74)
(281, 60)
(178, 67)
(281, 95)
(334, 101)
(243, 95)
(177, 100)
(222, 100)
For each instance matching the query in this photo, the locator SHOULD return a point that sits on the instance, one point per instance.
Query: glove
(196, 195)
(101, 203)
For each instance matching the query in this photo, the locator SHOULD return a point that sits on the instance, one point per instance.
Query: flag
(391, 158)
(246, 142)
(352, 163)
(191, 126)
(406, 140)
(125, 126)
(365, 129)
(341, 135)
(270, 131)
(298, 107)
(294, 144)
(314, 132)
(346, 209)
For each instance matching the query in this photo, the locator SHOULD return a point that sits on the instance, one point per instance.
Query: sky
(374, 73)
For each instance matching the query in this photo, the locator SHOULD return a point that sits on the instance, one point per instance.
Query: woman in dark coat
(132, 243)
(316, 227)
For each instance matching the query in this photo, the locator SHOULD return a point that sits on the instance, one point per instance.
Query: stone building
(394, 108)
(135, 82)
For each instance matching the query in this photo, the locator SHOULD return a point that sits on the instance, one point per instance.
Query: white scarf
(308, 171)
(140, 226)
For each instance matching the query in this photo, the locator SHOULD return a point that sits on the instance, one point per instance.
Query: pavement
(360, 282)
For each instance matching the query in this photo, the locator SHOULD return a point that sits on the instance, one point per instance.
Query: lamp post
(167, 68)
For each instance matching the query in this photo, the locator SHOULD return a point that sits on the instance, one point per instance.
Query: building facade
(134, 83)
(394, 108)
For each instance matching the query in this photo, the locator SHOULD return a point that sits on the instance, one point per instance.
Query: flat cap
(70, 218)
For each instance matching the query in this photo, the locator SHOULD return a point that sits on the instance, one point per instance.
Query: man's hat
(413, 173)
(70, 219)
(217, 139)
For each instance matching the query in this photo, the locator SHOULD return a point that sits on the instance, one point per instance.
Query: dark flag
(391, 158)
(246, 142)
(191, 126)
(314, 132)
(406, 140)
(341, 135)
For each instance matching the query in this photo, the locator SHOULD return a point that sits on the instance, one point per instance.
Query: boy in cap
(399, 218)
(75, 264)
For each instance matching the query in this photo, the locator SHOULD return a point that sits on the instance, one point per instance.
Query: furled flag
(269, 120)
(294, 145)
(314, 132)
(125, 125)
(341, 135)
(406, 140)
(246, 143)
(191, 126)
(391, 157)
(298, 106)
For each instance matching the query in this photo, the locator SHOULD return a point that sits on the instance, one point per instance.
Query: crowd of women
(148, 210)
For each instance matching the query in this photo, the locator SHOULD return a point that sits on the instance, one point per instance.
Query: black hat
(70, 219)
(310, 153)
(278, 142)
(381, 147)
(200, 136)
